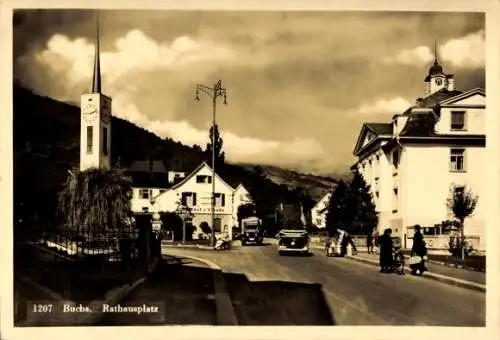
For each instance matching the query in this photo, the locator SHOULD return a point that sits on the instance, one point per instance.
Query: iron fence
(78, 264)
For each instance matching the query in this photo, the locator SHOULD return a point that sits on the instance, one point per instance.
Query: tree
(219, 154)
(462, 203)
(246, 210)
(336, 208)
(360, 209)
(95, 200)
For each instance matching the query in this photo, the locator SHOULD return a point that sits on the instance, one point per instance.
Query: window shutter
(223, 199)
(194, 198)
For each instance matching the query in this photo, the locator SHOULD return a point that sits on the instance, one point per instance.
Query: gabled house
(412, 162)
(195, 192)
(318, 212)
(241, 197)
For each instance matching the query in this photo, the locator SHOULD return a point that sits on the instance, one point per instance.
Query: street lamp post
(213, 93)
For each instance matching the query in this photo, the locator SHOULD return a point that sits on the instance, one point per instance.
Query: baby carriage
(398, 262)
(333, 248)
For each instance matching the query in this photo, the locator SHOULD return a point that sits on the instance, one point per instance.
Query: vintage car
(293, 241)
(251, 231)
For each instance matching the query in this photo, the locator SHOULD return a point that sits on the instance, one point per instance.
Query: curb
(187, 246)
(224, 306)
(459, 266)
(85, 318)
(433, 276)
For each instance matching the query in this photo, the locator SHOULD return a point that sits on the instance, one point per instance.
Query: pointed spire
(435, 53)
(96, 79)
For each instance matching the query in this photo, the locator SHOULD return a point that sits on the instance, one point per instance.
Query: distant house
(194, 192)
(150, 178)
(318, 212)
(241, 196)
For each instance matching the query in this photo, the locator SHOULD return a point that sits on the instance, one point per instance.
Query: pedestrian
(369, 242)
(386, 246)
(418, 247)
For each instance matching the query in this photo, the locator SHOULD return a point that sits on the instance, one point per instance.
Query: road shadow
(290, 254)
(277, 302)
(263, 244)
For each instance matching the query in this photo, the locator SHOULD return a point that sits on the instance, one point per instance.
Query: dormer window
(457, 120)
(203, 179)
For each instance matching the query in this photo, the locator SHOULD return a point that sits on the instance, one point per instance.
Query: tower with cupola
(436, 80)
(95, 133)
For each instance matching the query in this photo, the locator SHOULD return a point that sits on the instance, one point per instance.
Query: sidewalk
(455, 276)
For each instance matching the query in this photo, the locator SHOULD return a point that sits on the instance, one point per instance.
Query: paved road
(267, 289)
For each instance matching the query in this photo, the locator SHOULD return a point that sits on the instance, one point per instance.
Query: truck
(251, 230)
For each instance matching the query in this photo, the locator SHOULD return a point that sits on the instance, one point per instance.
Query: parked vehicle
(293, 241)
(251, 231)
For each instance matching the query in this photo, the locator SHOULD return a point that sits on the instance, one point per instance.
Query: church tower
(95, 131)
(436, 79)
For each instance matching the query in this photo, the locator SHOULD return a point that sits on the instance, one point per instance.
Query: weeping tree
(95, 201)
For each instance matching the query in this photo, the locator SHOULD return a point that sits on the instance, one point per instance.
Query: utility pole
(213, 93)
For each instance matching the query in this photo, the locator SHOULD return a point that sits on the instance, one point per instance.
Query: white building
(318, 212)
(95, 123)
(195, 192)
(412, 162)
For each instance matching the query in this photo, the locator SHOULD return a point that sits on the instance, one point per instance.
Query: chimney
(450, 82)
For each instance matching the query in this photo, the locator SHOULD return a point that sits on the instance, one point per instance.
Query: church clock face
(89, 113)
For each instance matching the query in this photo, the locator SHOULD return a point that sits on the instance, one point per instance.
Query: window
(457, 120)
(378, 159)
(459, 191)
(145, 209)
(162, 191)
(188, 199)
(395, 158)
(105, 141)
(90, 138)
(144, 193)
(203, 179)
(457, 158)
(220, 199)
(376, 194)
(439, 82)
(395, 200)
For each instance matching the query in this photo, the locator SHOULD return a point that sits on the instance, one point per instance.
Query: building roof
(380, 128)
(433, 100)
(147, 166)
(150, 180)
(195, 171)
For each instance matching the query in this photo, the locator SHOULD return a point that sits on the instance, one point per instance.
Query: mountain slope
(46, 146)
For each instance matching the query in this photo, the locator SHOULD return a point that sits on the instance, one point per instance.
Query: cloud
(464, 52)
(418, 56)
(467, 52)
(134, 52)
(384, 106)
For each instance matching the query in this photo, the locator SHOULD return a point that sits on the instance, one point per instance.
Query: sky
(300, 84)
